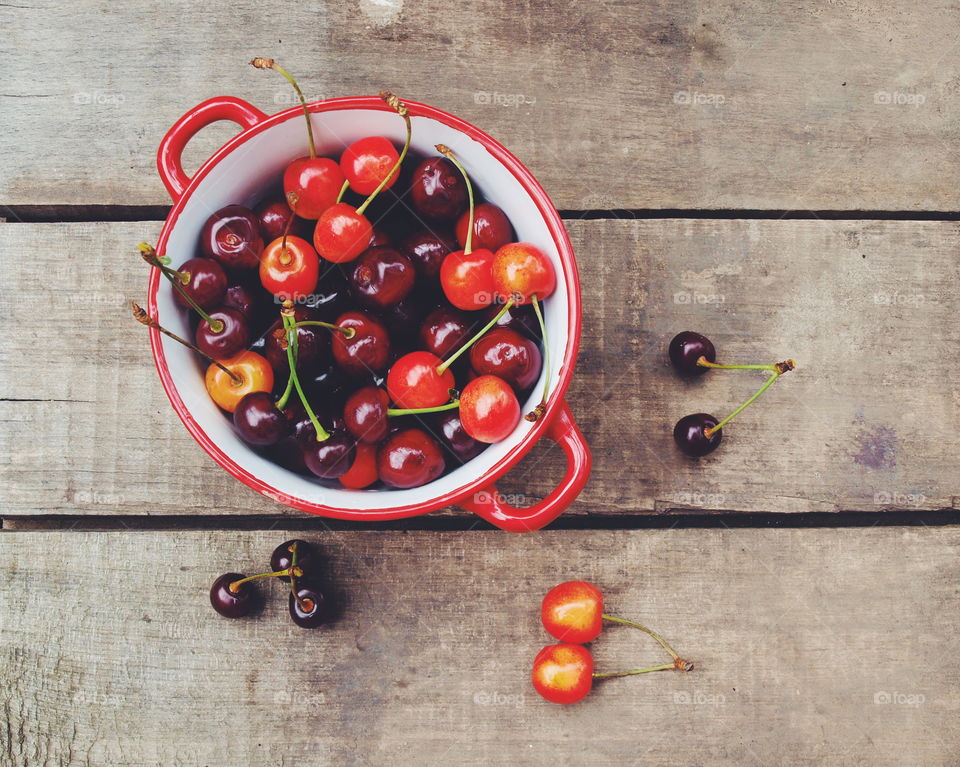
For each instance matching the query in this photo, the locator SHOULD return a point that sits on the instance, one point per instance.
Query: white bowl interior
(256, 166)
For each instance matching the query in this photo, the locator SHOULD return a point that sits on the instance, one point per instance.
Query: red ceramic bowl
(251, 162)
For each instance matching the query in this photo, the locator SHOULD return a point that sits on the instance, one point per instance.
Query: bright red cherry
(363, 472)
(563, 673)
(369, 349)
(507, 354)
(491, 227)
(409, 458)
(312, 185)
(467, 279)
(489, 410)
(521, 270)
(367, 162)
(289, 268)
(342, 233)
(573, 612)
(414, 381)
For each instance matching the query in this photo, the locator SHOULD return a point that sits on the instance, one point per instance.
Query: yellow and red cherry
(563, 673)
(573, 612)
(365, 414)
(289, 268)
(363, 472)
(232, 237)
(489, 409)
(367, 351)
(491, 227)
(508, 355)
(204, 280)
(416, 381)
(381, 278)
(366, 163)
(252, 370)
(409, 458)
(520, 270)
(223, 333)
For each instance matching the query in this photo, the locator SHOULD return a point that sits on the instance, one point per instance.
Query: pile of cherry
(234, 595)
(573, 613)
(348, 333)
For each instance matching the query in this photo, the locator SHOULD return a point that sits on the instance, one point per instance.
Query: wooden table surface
(781, 176)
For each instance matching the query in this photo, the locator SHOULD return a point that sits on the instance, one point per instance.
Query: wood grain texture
(664, 104)
(870, 420)
(811, 648)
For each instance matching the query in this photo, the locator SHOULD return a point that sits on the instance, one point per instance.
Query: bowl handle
(213, 110)
(493, 507)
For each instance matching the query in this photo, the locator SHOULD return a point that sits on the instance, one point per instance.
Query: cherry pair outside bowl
(252, 162)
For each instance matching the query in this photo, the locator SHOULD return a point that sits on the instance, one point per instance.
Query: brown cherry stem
(677, 660)
(264, 63)
(235, 585)
(296, 572)
(141, 316)
(442, 367)
(446, 152)
(611, 674)
(348, 333)
(401, 110)
(779, 369)
(537, 413)
(150, 256)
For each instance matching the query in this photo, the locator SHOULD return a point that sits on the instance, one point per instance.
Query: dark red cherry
(444, 330)
(686, 348)
(491, 227)
(302, 427)
(232, 236)
(460, 445)
(690, 436)
(282, 558)
(426, 249)
(288, 453)
(274, 215)
(409, 458)
(313, 345)
(380, 238)
(330, 458)
(507, 354)
(245, 300)
(437, 189)
(369, 349)
(365, 414)
(332, 296)
(381, 278)
(519, 317)
(206, 282)
(403, 319)
(232, 604)
(258, 421)
(233, 338)
(326, 383)
(312, 610)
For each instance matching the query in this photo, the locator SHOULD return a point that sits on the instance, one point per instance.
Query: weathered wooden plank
(110, 653)
(868, 421)
(665, 104)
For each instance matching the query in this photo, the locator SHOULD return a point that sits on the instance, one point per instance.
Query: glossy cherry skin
(232, 237)
(233, 338)
(228, 603)
(342, 234)
(330, 458)
(255, 375)
(467, 279)
(207, 282)
(444, 330)
(409, 458)
(686, 348)
(491, 227)
(365, 163)
(363, 473)
(380, 238)
(327, 382)
(365, 414)
(313, 345)
(437, 189)
(563, 673)
(282, 558)
(369, 349)
(382, 278)
(332, 296)
(689, 434)
(459, 444)
(427, 250)
(573, 612)
(275, 216)
(239, 296)
(258, 421)
(489, 410)
(521, 270)
(317, 606)
(289, 268)
(519, 317)
(508, 355)
(413, 381)
(312, 185)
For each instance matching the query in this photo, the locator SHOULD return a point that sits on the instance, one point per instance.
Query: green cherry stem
(611, 674)
(402, 110)
(446, 152)
(705, 363)
(343, 190)
(264, 63)
(141, 316)
(651, 632)
(537, 413)
(348, 333)
(778, 370)
(237, 584)
(150, 256)
(418, 410)
(442, 367)
(296, 572)
(286, 314)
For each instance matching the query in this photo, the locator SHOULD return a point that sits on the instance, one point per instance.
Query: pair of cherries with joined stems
(573, 613)
(234, 595)
(693, 354)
